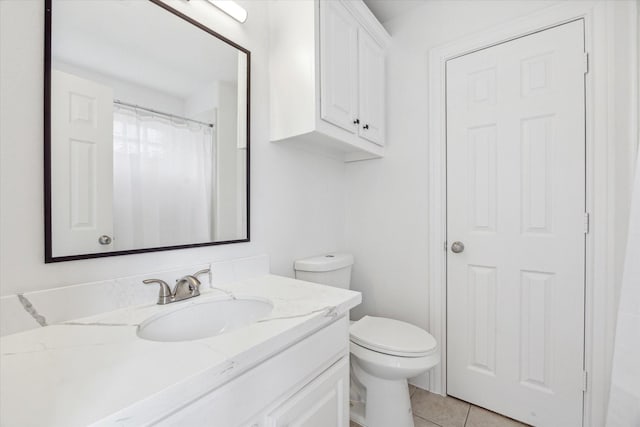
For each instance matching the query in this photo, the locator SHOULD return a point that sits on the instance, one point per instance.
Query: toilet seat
(392, 337)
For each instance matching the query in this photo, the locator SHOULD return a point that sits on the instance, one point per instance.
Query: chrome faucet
(186, 287)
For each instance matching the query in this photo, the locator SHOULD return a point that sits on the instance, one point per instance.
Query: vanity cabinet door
(371, 88)
(338, 66)
(321, 403)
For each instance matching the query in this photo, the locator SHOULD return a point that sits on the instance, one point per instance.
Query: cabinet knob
(356, 122)
(365, 127)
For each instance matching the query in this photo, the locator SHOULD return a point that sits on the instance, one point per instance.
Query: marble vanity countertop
(96, 370)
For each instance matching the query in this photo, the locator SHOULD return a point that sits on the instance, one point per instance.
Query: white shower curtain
(163, 181)
(624, 399)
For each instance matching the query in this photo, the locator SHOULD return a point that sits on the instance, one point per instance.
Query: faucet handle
(195, 275)
(194, 282)
(201, 272)
(164, 297)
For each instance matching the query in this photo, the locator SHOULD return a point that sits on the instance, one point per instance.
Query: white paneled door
(82, 150)
(516, 202)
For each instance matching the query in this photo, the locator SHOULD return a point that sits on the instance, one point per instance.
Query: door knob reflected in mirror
(104, 240)
(457, 247)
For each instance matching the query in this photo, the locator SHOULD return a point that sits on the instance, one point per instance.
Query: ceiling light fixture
(231, 8)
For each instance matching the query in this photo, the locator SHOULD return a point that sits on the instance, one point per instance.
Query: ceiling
(386, 10)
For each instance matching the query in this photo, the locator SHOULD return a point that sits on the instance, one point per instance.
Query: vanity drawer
(267, 385)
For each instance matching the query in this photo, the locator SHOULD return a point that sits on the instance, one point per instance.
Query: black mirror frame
(48, 247)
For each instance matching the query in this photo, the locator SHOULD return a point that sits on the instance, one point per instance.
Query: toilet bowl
(385, 352)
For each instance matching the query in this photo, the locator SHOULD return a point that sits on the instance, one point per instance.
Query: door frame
(600, 261)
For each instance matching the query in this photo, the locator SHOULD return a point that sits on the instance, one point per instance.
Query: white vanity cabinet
(306, 385)
(323, 402)
(327, 71)
(289, 368)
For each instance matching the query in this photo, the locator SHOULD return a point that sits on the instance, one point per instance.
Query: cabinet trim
(369, 22)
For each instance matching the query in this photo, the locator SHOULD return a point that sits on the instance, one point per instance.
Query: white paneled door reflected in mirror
(146, 131)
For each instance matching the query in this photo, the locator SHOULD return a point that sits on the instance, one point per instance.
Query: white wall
(387, 209)
(297, 199)
(202, 104)
(226, 216)
(387, 200)
(126, 91)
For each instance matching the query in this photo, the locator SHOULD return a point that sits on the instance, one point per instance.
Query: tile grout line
(423, 418)
(415, 390)
(467, 417)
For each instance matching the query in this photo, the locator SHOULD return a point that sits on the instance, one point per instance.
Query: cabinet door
(371, 91)
(322, 403)
(338, 66)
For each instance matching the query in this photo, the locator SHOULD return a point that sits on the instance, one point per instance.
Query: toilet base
(387, 401)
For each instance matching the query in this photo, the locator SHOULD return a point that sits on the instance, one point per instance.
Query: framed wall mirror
(146, 131)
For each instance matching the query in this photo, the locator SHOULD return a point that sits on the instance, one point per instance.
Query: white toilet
(384, 352)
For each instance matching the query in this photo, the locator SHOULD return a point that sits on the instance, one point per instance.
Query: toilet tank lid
(328, 262)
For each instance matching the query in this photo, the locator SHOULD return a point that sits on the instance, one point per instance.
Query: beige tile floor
(433, 410)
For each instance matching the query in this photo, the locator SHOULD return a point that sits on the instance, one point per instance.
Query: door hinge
(586, 223)
(585, 380)
(586, 62)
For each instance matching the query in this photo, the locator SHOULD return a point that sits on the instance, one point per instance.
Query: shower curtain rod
(139, 107)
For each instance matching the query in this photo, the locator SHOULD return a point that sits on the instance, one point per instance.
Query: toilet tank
(332, 269)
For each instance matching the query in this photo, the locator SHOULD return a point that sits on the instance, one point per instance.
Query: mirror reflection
(148, 130)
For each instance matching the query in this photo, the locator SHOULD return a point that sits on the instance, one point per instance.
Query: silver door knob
(457, 247)
(104, 240)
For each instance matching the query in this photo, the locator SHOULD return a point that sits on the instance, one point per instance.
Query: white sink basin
(203, 319)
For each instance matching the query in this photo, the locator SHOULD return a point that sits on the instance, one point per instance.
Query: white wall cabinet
(339, 66)
(327, 71)
(371, 78)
